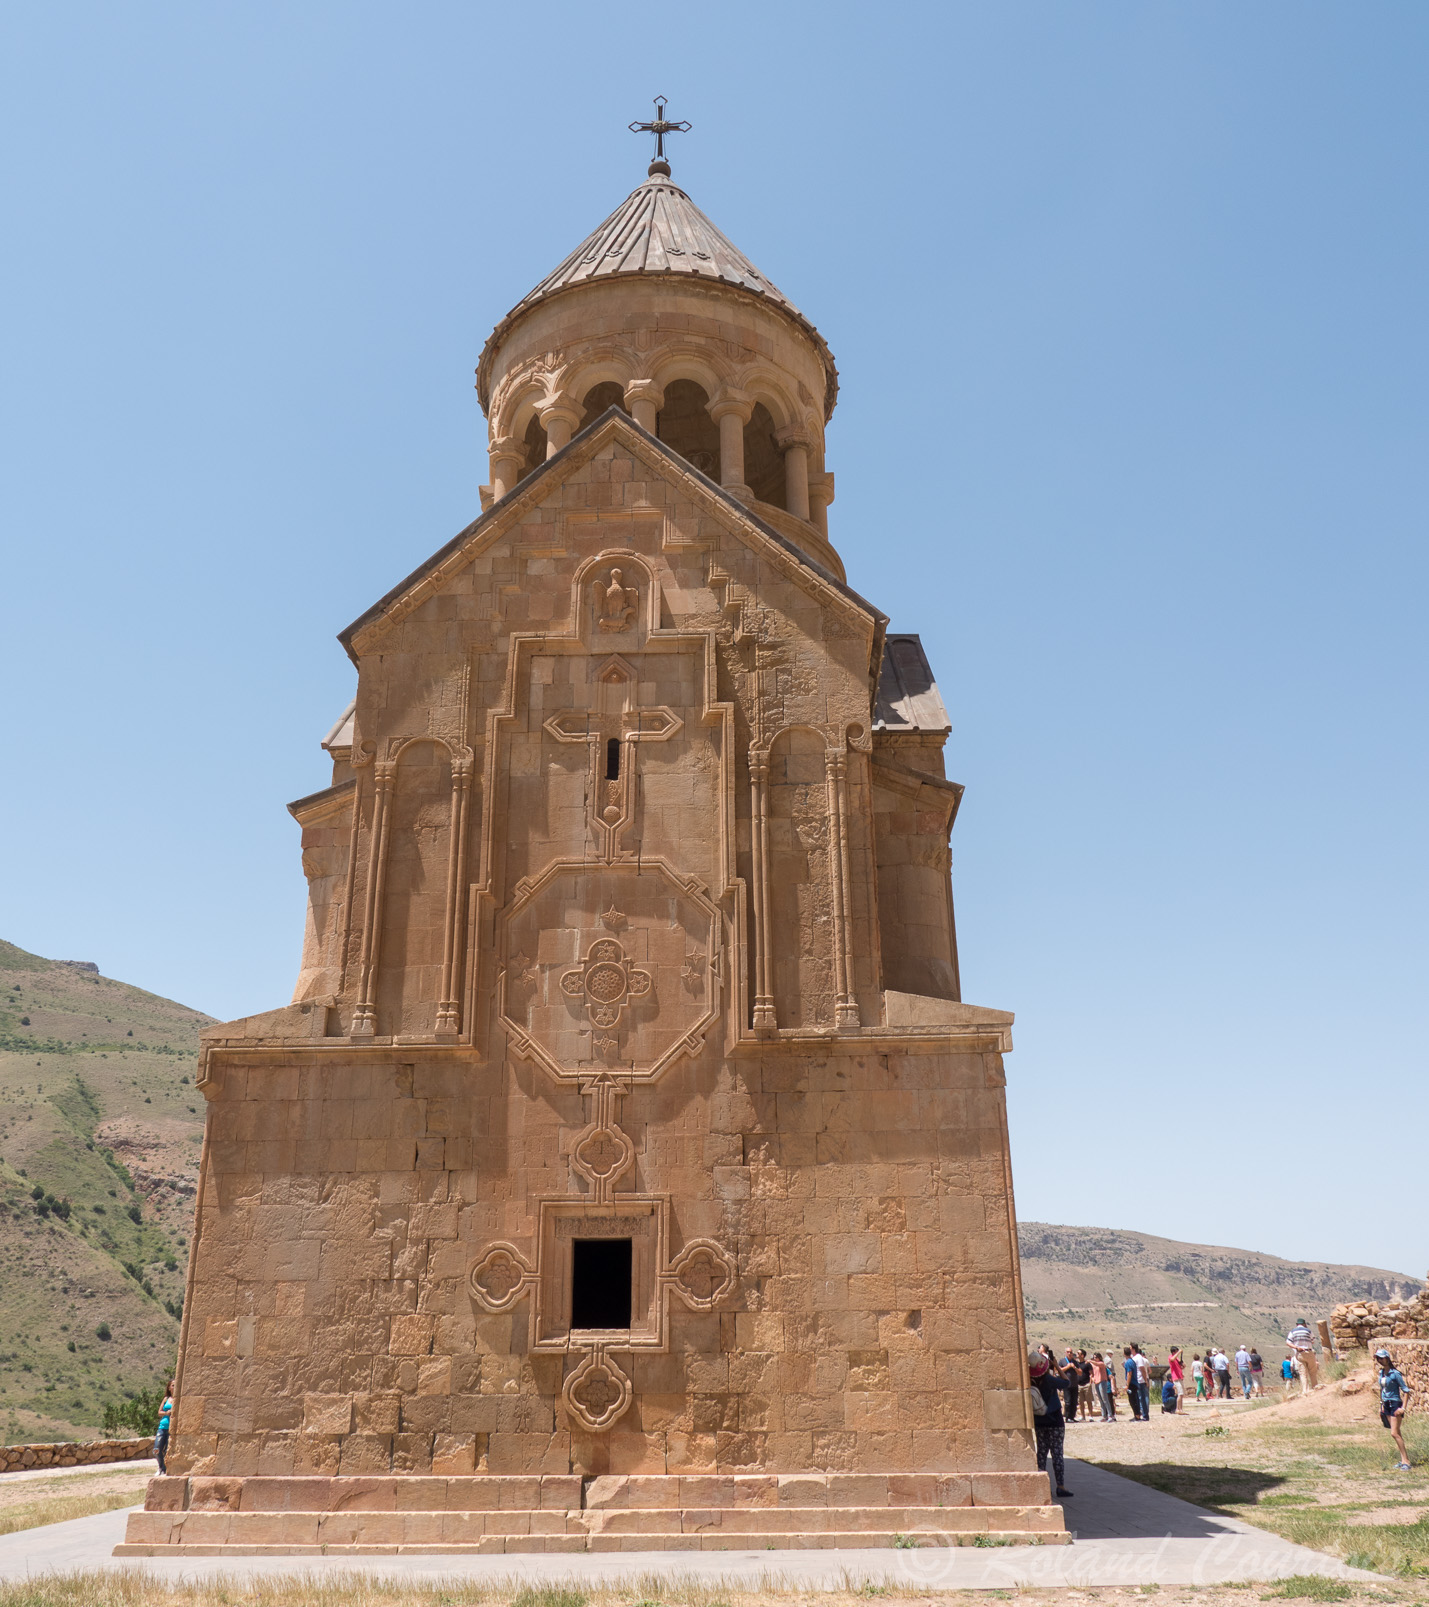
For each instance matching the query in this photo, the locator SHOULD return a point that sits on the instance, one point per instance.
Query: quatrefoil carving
(597, 1392)
(602, 1154)
(500, 1277)
(703, 1274)
(606, 980)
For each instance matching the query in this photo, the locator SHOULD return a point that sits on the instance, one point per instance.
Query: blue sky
(1128, 303)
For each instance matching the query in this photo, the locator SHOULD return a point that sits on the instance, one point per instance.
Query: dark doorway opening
(612, 759)
(600, 1283)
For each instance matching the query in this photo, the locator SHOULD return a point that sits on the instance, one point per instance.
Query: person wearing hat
(1302, 1347)
(1047, 1415)
(1392, 1393)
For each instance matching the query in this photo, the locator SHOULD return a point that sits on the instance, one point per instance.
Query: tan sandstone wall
(331, 1327)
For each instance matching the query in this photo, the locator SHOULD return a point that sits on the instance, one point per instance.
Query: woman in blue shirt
(1392, 1393)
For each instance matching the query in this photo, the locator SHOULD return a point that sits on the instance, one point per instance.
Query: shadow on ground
(1219, 1490)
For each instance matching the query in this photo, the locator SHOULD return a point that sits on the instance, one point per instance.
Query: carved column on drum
(364, 1017)
(449, 1005)
(765, 1020)
(846, 1003)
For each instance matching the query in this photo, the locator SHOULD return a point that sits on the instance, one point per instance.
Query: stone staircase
(495, 1513)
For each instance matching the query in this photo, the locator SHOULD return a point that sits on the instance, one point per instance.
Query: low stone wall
(72, 1453)
(1411, 1357)
(1366, 1324)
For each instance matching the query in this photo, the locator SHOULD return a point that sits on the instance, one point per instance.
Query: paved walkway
(1127, 1534)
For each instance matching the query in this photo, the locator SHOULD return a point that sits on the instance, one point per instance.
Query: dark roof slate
(908, 697)
(658, 229)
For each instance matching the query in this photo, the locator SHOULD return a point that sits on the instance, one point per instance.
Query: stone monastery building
(627, 1171)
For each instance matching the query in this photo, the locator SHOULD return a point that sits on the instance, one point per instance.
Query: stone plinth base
(565, 1513)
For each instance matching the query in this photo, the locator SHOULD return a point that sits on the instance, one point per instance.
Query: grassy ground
(1318, 1471)
(355, 1590)
(31, 1503)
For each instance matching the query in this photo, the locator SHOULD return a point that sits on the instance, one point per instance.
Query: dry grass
(358, 1590)
(32, 1503)
(1318, 1472)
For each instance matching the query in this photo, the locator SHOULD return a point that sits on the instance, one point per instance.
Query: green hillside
(100, 1132)
(1103, 1286)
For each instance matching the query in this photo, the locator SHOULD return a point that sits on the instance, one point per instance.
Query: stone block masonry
(627, 1169)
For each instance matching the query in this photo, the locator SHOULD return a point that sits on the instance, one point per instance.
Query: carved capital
(794, 438)
(560, 410)
(508, 446)
(644, 390)
(730, 400)
(821, 490)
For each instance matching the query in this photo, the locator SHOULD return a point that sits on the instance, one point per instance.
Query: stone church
(627, 1172)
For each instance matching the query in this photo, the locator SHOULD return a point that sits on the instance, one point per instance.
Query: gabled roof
(908, 697)
(529, 490)
(658, 229)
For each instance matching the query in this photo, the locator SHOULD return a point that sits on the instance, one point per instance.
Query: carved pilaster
(364, 1017)
(846, 1005)
(765, 1019)
(449, 1005)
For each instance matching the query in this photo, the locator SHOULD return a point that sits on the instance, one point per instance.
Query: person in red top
(1176, 1372)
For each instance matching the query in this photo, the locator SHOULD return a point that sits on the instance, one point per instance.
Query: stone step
(566, 1492)
(511, 1545)
(606, 1529)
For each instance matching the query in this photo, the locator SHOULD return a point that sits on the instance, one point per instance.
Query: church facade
(627, 1171)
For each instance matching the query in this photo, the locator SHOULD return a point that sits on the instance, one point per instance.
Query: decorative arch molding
(677, 360)
(387, 773)
(768, 386)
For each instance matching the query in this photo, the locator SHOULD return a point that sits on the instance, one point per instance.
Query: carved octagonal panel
(610, 966)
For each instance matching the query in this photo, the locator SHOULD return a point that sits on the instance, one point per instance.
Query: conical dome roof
(658, 229)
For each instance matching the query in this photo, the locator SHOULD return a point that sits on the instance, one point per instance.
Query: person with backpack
(1133, 1389)
(1050, 1427)
(1302, 1344)
(1084, 1386)
(1221, 1366)
(1392, 1403)
(1257, 1371)
(1176, 1373)
(1143, 1380)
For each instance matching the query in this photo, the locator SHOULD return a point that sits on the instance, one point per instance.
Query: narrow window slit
(612, 759)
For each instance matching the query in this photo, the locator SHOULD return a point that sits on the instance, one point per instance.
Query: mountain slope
(1100, 1286)
(100, 1131)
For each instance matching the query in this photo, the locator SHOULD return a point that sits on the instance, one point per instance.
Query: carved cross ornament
(702, 1275)
(605, 982)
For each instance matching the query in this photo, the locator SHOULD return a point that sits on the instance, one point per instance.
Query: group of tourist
(1078, 1385)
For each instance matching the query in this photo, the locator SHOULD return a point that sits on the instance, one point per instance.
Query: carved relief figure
(615, 604)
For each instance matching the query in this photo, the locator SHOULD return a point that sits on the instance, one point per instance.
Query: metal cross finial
(660, 127)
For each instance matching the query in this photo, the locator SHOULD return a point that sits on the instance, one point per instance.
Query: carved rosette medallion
(606, 982)
(628, 968)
